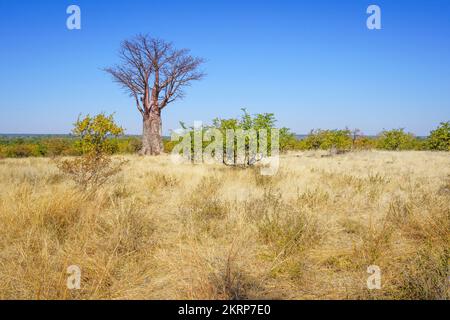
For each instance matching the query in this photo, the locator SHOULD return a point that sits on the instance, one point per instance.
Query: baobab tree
(155, 74)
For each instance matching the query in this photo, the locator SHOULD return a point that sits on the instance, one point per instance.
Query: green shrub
(61, 146)
(169, 145)
(364, 143)
(55, 147)
(22, 150)
(327, 139)
(94, 167)
(260, 121)
(129, 145)
(396, 139)
(95, 134)
(288, 141)
(439, 138)
(246, 124)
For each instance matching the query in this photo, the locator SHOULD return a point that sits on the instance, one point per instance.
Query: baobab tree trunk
(152, 134)
(155, 75)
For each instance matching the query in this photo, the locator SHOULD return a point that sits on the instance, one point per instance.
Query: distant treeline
(394, 140)
(345, 139)
(48, 146)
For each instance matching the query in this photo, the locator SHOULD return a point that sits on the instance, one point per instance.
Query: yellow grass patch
(164, 231)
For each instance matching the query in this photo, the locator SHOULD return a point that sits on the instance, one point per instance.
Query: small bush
(129, 145)
(169, 145)
(56, 147)
(22, 151)
(396, 139)
(327, 139)
(247, 129)
(440, 138)
(94, 167)
(364, 143)
(90, 171)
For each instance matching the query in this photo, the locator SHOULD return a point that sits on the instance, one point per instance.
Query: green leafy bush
(288, 140)
(55, 147)
(22, 150)
(129, 145)
(364, 143)
(169, 145)
(60, 146)
(327, 139)
(94, 134)
(95, 166)
(396, 139)
(439, 138)
(260, 121)
(247, 125)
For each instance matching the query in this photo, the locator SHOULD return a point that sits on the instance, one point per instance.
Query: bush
(260, 121)
(288, 140)
(94, 134)
(61, 146)
(90, 171)
(440, 138)
(396, 139)
(129, 145)
(55, 147)
(169, 145)
(22, 151)
(244, 125)
(327, 139)
(94, 167)
(364, 143)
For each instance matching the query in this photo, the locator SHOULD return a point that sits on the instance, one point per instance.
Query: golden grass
(164, 231)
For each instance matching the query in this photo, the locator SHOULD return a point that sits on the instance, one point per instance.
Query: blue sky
(313, 63)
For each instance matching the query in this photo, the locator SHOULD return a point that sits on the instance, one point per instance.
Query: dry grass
(160, 231)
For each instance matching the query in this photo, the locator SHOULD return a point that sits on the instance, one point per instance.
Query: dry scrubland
(160, 231)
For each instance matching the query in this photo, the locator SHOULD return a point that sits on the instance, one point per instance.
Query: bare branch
(154, 73)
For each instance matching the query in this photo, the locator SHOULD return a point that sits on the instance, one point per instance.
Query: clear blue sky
(313, 63)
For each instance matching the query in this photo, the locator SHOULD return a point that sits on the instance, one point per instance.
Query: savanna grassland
(164, 231)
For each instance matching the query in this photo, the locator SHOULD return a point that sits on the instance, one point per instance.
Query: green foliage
(94, 134)
(128, 145)
(439, 138)
(396, 139)
(169, 145)
(112, 142)
(260, 121)
(288, 140)
(56, 147)
(246, 124)
(327, 139)
(95, 166)
(364, 143)
(23, 151)
(61, 146)
(22, 147)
